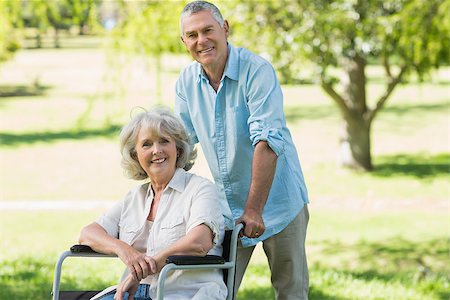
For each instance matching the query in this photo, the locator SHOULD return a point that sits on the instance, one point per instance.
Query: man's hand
(139, 265)
(253, 224)
(129, 285)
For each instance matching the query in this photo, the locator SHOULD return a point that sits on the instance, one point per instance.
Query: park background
(72, 71)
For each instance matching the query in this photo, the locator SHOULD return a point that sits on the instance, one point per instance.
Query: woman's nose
(156, 148)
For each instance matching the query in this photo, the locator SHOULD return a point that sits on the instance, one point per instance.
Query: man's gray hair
(197, 6)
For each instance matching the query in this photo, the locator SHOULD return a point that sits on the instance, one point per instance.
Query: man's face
(205, 39)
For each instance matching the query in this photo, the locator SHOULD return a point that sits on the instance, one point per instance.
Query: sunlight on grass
(390, 256)
(392, 180)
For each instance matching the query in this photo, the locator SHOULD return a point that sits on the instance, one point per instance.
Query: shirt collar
(231, 68)
(178, 183)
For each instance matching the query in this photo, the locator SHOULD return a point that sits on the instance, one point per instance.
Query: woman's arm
(198, 241)
(138, 264)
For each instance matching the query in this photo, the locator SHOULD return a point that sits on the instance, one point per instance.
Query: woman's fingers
(128, 285)
(133, 272)
(144, 267)
(152, 264)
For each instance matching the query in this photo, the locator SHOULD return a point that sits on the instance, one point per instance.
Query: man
(231, 102)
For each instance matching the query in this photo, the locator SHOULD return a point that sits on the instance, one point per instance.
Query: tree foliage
(59, 15)
(150, 29)
(9, 20)
(404, 36)
(404, 32)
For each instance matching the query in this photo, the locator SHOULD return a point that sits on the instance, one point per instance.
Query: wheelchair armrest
(195, 260)
(81, 249)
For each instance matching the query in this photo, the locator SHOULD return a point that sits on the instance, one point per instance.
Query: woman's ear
(133, 154)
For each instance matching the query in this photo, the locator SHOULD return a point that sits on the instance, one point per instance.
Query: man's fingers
(248, 230)
(253, 226)
(241, 233)
(254, 230)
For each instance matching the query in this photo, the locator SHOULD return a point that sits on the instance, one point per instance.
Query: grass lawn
(378, 235)
(402, 255)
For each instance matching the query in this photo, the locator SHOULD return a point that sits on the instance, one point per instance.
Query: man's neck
(214, 73)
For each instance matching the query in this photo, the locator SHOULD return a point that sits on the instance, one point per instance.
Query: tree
(9, 20)
(58, 15)
(84, 13)
(151, 29)
(404, 36)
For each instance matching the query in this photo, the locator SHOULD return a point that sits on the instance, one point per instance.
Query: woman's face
(156, 154)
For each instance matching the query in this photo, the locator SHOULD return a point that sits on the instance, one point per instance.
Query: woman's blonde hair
(164, 123)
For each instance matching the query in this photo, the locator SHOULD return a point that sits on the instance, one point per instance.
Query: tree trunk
(56, 38)
(38, 40)
(355, 137)
(158, 81)
(355, 144)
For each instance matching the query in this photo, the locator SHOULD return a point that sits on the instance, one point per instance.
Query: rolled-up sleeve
(205, 209)
(265, 103)
(111, 219)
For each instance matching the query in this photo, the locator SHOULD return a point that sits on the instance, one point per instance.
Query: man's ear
(181, 38)
(226, 27)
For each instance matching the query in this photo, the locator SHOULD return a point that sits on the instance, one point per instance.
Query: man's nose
(202, 38)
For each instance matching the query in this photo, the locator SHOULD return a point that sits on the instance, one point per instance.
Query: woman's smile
(157, 155)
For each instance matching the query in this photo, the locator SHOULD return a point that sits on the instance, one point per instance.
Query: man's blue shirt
(247, 108)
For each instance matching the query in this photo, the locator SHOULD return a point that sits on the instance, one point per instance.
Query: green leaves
(410, 33)
(9, 12)
(152, 29)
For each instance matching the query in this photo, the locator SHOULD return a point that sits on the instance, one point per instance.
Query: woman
(176, 212)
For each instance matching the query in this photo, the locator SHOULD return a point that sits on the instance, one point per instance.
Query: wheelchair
(226, 262)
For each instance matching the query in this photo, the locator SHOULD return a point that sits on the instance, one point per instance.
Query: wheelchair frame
(226, 262)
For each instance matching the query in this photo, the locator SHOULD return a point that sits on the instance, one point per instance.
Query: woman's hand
(129, 285)
(139, 265)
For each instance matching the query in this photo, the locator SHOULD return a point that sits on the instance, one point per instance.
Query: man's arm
(263, 170)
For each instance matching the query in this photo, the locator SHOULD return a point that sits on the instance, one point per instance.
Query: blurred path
(330, 204)
(54, 205)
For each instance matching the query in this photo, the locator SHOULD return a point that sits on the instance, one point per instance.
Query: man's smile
(206, 50)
